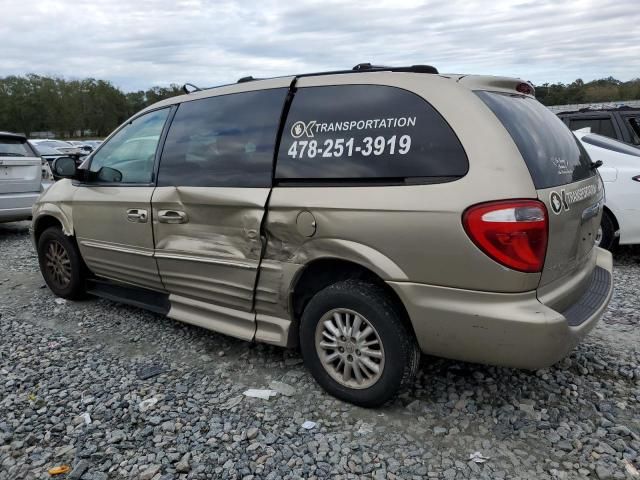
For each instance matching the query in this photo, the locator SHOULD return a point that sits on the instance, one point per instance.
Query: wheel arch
(609, 212)
(48, 215)
(322, 272)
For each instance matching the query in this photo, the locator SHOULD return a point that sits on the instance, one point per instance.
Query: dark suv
(621, 123)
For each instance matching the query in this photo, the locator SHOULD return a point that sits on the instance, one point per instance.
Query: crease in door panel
(263, 230)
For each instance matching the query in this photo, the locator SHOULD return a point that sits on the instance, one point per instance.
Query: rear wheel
(356, 344)
(61, 264)
(607, 232)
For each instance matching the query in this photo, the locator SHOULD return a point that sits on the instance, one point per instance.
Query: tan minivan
(364, 215)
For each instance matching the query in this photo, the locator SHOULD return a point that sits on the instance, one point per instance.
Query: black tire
(608, 226)
(74, 288)
(400, 350)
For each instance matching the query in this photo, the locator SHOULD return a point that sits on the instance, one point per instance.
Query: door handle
(137, 215)
(172, 216)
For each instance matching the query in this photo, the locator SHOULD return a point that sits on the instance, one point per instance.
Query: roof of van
(472, 82)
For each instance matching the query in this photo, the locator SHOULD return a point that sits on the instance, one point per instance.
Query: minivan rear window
(552, 154)
(15, 147)
(364, 134)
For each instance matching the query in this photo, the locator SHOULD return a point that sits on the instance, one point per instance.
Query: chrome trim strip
(116, 248)
(215, 261)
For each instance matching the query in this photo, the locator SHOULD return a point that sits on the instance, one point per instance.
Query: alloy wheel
(349, 348)
(58, 264)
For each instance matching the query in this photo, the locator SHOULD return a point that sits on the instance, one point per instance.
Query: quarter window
(223, 141)
(366, 132)
(128, 156)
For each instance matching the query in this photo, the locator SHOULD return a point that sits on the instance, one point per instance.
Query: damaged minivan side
(365, 216)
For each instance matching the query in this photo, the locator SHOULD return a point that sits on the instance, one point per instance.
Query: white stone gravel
(63, 363)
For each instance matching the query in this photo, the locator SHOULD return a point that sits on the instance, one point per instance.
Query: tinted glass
(552, 154)
(131, 151)
(601, 126)
(14, 147)
(351, 132)
(634, 124)
(225, 141)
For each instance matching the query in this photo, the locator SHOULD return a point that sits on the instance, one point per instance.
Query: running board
(135, 296)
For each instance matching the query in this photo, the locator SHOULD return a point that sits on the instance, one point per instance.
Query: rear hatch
(20, 166)
(564, 180)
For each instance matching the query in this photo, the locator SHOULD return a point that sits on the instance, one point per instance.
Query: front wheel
(356, 343)
(61, 264)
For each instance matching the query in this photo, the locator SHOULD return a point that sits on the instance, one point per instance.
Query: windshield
(552, 154)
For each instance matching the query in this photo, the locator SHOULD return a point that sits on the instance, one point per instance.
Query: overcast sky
(140, 43)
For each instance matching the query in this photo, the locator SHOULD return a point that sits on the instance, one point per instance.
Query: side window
(601, 126)
(634, 127)
(223, 141)
(366, 132)
(128, 156)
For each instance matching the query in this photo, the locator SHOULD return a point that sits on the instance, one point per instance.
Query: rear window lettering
(366, 132)
(551, 152)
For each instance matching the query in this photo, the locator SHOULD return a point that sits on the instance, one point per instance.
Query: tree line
(35, 103)
(603, 90)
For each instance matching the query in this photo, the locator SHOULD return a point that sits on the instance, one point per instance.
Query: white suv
(20, 177)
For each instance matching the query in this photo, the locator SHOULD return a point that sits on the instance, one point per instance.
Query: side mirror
(64, 167)
(110, 175)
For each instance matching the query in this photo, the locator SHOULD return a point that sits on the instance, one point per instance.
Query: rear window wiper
(595, 165)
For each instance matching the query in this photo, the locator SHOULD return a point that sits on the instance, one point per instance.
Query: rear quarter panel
(415, 231)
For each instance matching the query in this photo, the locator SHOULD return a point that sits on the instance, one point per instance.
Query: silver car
(20, 177)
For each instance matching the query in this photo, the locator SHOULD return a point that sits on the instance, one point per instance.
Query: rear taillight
(525, 88)
(512, 232)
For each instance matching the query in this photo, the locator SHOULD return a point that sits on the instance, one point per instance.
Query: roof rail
(368, 67)
(359, 68)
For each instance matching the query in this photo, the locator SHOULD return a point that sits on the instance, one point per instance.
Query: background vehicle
(387, 211)
(621, 123)
(93, 143)
(85, 147)
(621, 175)
(20, 177)
(61, 146)
(48, 155)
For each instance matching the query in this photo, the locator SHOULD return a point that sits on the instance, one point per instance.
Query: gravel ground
(72, 392)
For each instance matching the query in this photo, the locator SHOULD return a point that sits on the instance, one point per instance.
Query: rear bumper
(17, 206)
(514, 330)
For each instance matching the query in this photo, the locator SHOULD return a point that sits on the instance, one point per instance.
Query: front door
(112, 209)
(213, 184)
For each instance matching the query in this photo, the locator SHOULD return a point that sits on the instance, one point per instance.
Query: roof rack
(359, 68)
(363, 67)
(368, 67)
